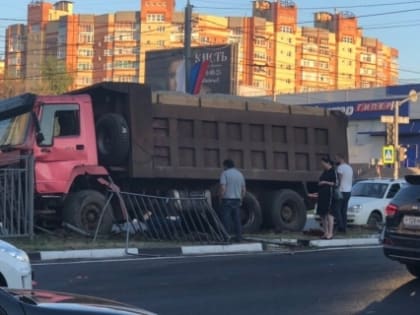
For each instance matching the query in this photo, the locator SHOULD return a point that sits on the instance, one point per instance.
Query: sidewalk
(70, 246)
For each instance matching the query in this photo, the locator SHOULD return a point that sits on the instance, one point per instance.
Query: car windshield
(373, 190)
(13, 130)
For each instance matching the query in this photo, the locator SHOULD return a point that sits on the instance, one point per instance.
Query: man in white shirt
(345, 176)
(232, 191)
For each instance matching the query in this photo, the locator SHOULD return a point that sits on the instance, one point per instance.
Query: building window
(85, 38)
(260, 55)
(108, 38)
(286, 29)
(85, 52)
(84, 66)
(347, 39)
(155, 18)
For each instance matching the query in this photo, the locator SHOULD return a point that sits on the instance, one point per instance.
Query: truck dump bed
(183, 136)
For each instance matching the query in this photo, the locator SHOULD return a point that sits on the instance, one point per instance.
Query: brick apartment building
(275, 54)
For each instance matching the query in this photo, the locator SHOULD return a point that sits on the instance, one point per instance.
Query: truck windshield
(13, 130)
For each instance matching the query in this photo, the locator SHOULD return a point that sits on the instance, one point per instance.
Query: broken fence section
(154, 218)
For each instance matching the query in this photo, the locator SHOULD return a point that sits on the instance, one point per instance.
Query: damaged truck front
(170, 145)
(58, 133)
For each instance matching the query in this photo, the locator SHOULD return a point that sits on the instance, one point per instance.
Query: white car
(369, 199)
(15, 268)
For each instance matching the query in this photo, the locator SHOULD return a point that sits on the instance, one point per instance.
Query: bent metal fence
(155, 218)
(16, 197)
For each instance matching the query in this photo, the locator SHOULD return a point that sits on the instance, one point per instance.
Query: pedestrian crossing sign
(388, 154)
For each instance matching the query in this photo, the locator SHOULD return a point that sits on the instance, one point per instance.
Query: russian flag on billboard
(198, 73)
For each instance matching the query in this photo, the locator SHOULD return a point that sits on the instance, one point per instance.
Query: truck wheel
(287, 211)
(113, 139)
(251, 215)
(83, 209)
(414, 269)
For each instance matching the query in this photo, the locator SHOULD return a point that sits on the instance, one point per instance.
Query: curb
(258, 245)
(121, 252)
(345, 242)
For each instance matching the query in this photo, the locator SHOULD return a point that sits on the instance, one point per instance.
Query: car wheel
(414, 269)
(375, 220)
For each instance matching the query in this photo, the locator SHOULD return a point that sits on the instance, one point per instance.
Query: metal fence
(16, 198)
(154, 218)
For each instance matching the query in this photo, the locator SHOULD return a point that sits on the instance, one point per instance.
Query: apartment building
(15, 54)
(117, 47)
(40, 14)
(274, 54)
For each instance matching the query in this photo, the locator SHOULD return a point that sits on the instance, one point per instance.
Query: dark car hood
(51, 301)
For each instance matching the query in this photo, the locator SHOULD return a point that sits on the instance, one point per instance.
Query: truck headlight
(355, 209)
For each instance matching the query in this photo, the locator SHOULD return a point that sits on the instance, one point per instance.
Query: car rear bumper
(404, 248)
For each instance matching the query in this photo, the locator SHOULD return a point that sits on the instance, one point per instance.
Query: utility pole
(412, 97)
(187, 43)
(396, 135)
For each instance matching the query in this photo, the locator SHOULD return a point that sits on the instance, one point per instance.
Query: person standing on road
(345, 177)
(232, 191)
(326, 184)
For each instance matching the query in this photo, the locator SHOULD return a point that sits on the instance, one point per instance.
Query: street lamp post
(412, 97)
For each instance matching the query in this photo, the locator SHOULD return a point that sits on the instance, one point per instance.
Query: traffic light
(402, 153)
(390, 136)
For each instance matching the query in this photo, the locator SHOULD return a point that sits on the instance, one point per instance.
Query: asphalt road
(357, 281)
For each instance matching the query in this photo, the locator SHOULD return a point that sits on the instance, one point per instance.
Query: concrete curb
(337, 242)
(121, 252)
(256, 246)
(345, 242)
(222, 249)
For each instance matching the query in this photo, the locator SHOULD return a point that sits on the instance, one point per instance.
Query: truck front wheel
(82, 209)
(287, 210)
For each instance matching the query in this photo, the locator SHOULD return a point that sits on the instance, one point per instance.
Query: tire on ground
(375, 220)
(414, 269)
(82, 209)
(287, 210)
(251, 215)
(113, 139)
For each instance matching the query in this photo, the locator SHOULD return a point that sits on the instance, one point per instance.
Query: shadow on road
(405, 300)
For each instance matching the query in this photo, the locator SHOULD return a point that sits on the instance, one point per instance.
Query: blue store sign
(366, 110)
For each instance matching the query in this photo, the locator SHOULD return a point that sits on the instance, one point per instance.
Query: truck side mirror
(39, 137)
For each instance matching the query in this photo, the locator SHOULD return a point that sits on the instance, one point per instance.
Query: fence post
(30, 188)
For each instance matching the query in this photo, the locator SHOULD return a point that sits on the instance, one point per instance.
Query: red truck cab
(68, 146)
(58, 132)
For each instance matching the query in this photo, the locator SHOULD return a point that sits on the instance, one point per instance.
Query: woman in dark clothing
(326, 184)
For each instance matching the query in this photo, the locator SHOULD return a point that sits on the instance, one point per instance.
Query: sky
(395, 22)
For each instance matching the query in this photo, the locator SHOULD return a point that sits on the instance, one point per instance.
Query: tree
(10, 87)
(55, 78)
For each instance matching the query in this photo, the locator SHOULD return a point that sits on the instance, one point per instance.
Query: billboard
(165, 69)
(263, 9)
(366, 110)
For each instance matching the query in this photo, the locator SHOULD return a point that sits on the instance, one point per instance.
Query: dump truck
(166, 144)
